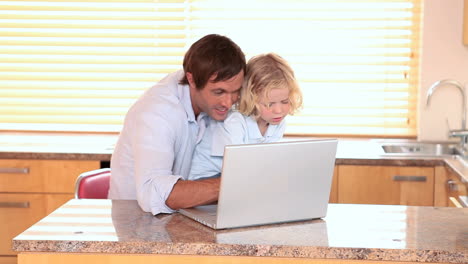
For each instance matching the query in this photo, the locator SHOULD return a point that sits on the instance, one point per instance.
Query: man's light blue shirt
(236, 129)
(155, 146)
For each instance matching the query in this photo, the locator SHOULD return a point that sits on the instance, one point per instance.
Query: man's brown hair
(213, 55)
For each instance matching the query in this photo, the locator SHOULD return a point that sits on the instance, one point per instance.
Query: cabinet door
(334, 187)
(52, 176)
(448, 188)
(20, 211)
(386, 185)
(8, 260)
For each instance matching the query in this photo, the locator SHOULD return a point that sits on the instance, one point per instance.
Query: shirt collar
(252, 128)
(254, 131)
(184, 91)
(202, 121)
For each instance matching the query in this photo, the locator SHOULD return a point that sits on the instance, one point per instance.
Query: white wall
(443, 56)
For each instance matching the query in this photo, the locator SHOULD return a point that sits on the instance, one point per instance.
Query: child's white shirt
(236, 129)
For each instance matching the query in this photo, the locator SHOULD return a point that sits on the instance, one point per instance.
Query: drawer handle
(14, 170)
(14, 204)
(452, 185)
(410, 178)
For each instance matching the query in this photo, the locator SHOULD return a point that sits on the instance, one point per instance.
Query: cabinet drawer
(52, 176)
(386, 185)
(20, 211)
(8, 260)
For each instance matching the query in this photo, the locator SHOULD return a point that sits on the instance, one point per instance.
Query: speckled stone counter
(56, 146)
(348, 232)
(100, 147)
(75, 146)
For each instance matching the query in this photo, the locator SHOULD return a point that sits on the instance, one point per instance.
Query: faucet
(462, 133)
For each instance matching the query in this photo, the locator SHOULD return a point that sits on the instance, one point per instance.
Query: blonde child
(270, 92)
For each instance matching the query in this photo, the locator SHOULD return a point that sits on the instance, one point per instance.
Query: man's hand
(186, 194)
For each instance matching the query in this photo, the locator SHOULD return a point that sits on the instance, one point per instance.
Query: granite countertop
(67, 146)
(56, 146)
(348, 232)
(77, 146)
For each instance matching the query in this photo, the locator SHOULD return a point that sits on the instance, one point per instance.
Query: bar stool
(93, 184)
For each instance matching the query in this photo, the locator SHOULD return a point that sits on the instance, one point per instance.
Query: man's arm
(187, 194)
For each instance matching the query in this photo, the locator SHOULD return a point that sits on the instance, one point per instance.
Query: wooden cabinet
(75, 258)
(386, 185)
(20, 211)
(334, 187)
(30, 190)
(448, 188)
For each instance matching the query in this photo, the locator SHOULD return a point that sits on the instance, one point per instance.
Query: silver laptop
(271, 183)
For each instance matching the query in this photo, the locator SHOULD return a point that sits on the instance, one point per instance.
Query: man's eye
(218, 92)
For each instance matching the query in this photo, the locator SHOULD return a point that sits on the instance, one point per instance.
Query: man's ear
(190, 79)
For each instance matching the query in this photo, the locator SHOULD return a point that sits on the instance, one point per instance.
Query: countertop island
(118, 231)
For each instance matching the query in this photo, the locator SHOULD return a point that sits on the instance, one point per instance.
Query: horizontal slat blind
(356, 61)
(79, 65)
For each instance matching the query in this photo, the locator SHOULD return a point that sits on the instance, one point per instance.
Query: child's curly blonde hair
(264, 73)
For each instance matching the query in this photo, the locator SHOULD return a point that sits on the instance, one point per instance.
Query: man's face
(216, 98)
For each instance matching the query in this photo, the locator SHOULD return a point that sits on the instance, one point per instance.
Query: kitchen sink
(421, 149)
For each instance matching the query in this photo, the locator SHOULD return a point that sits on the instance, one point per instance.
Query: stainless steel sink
(421, 149)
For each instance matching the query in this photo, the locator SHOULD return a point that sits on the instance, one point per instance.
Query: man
(153, 155)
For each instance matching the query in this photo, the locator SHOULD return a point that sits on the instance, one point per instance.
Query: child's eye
(268, 105)
(285, 101)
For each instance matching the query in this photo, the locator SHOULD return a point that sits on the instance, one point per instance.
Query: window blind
(79, 65)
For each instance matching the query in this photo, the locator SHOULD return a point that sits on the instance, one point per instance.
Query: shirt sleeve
(153, 146)
(232, 131)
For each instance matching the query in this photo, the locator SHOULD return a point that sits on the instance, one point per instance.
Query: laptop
(271, 183)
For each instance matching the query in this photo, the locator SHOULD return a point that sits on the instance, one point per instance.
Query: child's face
(275, 107)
